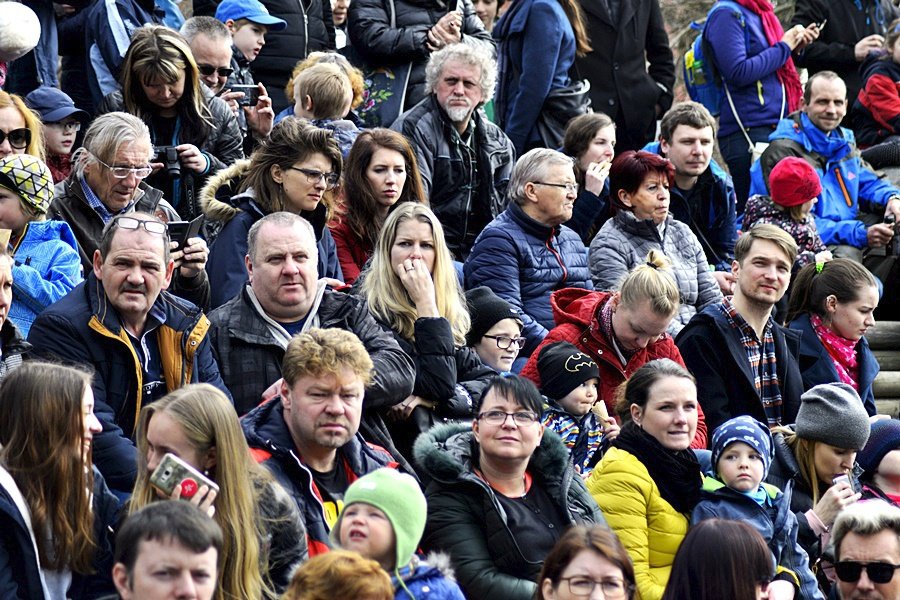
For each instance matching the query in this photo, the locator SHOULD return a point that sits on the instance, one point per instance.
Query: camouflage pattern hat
(28, 177)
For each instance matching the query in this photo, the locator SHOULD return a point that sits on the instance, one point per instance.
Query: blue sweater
(748, 65)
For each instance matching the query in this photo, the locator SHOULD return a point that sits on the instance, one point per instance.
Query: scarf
(841, 350)
(60, 166)
(676, 473)
(605, 320)
(787, 73)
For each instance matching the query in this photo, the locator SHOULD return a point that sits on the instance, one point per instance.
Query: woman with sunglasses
(194, 134)
(20, 129)
(296, 170)
(501, 494)
(412, 288)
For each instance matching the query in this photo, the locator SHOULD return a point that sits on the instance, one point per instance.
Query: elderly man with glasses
(108, 180)
(140, 341)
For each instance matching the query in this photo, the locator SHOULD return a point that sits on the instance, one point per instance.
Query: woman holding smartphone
(265, 538)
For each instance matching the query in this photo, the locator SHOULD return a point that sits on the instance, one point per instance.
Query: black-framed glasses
(582, 587)
(209, 70)
(504, 342)
(66, 126)
(850, 571)
(130, 223)
(498, 417)
(18, 138)
(571, 188)
(123, 172)
(314, 177)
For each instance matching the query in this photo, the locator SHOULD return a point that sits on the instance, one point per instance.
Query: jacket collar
(529, 225)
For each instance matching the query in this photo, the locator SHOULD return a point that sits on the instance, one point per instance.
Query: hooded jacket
(875, 112)
(847, 181)
(272, 446)
(623, 243)
(761, 209)
(46, 267)
(778, 529)
(465, 518)
(523, 261)
(430, 580)
(236, 213)
(577, 313)
(84, 328)
(817, 367)
(713, 353)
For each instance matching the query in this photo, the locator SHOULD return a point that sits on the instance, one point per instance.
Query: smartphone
(821, 25)
(172, 471)
(251, 94)
(182, 231)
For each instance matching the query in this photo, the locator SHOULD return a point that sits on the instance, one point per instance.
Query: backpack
(702, 80)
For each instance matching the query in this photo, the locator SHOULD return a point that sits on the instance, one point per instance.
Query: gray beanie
(832, 413)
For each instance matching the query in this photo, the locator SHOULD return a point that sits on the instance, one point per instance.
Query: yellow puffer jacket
(648, 526)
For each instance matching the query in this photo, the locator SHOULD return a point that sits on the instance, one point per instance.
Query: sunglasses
(209, 70)
(850, 571)
(18, 138)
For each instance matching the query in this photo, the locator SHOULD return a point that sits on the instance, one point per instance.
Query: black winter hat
(486, 309)
(562, 368)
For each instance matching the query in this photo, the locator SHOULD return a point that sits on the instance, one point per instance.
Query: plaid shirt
(97, 204)
(763, 364)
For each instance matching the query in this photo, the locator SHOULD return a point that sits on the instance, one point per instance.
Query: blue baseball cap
(252, 10)
(54, 105)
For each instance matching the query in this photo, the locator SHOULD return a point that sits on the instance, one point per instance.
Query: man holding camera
(108, 179)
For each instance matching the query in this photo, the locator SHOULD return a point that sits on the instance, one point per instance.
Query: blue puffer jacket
(717, 212)
(776, 523)
(817, 367)
(431, 581)
(846, 183)
(748, 65)
(524, 261)
(47, 267)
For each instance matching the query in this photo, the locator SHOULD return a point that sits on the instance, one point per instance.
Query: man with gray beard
(465, 160)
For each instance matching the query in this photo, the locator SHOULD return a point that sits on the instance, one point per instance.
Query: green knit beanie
(400, 498)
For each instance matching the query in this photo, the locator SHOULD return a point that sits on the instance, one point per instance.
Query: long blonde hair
(804, 451)
(208, 421)
(32, 122)
(388, 299)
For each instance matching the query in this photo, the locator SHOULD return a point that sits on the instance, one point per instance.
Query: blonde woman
(411, 287)
(161, 85)
(20, 127)
(265, 538)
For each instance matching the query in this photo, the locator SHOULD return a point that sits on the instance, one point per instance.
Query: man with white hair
(465, 160)
(866, 538)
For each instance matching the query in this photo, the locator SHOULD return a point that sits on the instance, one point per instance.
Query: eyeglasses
(571, 188)
(133, 224)
(123, 172)
(314, 177)
(18, 138)
(498, 417)
(504, 342)
(582, 587)
(850, 571)
(209, 70)
(67, 126)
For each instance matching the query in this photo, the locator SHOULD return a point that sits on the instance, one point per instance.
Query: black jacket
(223, 146)
(622, 85)
(712, 351)
(445, 163)
(272, 446)
(373, 39)
(465, 518)
(70, 205)
(848, 22)
(309, 28)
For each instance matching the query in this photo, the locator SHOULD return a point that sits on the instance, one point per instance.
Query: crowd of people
(361, 300)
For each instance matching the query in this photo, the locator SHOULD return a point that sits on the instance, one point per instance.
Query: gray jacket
(623, 243)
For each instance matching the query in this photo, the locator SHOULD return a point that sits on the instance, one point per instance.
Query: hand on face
(414, 275)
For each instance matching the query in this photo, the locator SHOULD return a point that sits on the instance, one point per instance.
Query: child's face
(11, 214)
(807, 206)
(367, 531)
(579, 401)
(250, 39)
(60, 137)
(740, 467)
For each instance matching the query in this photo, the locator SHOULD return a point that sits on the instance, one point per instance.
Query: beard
(458, 114)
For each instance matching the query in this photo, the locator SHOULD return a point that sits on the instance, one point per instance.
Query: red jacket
(576, 314)
(350, 251)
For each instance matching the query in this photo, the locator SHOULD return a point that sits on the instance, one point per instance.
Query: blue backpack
(702, 80)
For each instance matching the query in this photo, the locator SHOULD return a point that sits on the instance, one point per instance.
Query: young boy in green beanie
(383, 520)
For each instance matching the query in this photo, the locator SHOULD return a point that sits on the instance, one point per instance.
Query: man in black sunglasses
(866, 538)
(210, 42)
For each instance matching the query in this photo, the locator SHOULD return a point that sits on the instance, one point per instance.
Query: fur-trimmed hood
(216, 196)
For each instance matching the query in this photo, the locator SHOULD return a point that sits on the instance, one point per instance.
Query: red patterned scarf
(841, 350)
